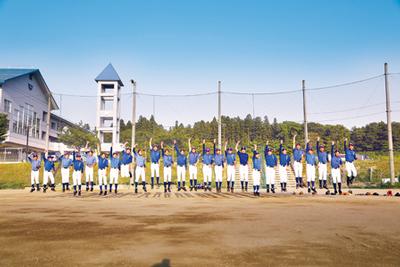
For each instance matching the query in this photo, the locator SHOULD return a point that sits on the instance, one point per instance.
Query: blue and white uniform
(322, 165)
(35, 167)
(193, 159)
(155, 156)
(48, 171)
(284, 163)
(350, 156)
(207, 171)
(126, 161)
(102, 171)
(66, 163)
(168, 161)
(115, 166)
(219, 161)
(311, 162)
(140, 168)
(230, 171)
(256, 172)
(298, 165)
(90, 161)
(336, 162)
(181, 162)
(270, 161)
(243, 167)
(77, 173)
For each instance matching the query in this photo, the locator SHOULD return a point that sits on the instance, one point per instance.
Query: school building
(26, 99)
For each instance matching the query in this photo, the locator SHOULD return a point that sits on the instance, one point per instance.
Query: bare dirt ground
(197, 229)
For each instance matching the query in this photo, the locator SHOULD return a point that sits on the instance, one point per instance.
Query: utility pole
(48, 123)
(133, 113)
(389, 125)
(219, 116)
(303, 86)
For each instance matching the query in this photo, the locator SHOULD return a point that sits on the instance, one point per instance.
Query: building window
(25, 121)
(7, 106)
(53, 125)
(44, 118)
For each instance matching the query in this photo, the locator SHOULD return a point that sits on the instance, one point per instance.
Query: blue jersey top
(48, 164)
(297, 154)
(322, 156)
(193, 157)
(90, 160)
(284, 159)
(126, 158)
(243, 158)
(155, 155)
(335, 161)
(230, 158)
(310, 158)
(35, 164)
(180, 158)
(270, 160)
(114, 162)
(65, 162)
(140, 159)
(103, 163)
(167, 159)
(350, 155)
(78, 164)
(256, 162)
(207, 158)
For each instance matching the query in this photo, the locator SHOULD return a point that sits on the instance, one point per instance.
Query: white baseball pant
(230, 173)
(298, 169)
(283, 174)
(218, 173)
(155, 169)
(336, 176)
(322, 171)
(244, 173)
(351, 169)
(114, 173)
(89, 174)
(65, 175)
(207, 173)
(181, 173)
(77, 177)
(46, 176)
(256, 177)
(310, 170)
(192, 172)
(269, 175)
(34, 177)
(125, 170)
(102, 176)
(140, 172)
(167, 174)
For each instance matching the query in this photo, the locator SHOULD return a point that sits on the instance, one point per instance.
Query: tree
(3, 126)
(77, 136)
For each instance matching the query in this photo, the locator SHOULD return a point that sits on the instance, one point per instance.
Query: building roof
(7, 74)
(109, 74)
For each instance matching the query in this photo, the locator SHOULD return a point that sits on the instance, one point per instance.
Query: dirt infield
(185, 229)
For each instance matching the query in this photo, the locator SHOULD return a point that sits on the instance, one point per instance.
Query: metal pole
(48, 123)
(303, 85)
(154, 111)
(219, 116)
(27, 143)
(133, 141)
(389, 125)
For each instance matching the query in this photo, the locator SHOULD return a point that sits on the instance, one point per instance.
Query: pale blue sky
(187, 46)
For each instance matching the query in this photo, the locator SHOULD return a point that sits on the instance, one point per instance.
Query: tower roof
(109, 74)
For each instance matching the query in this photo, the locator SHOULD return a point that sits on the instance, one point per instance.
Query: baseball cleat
(79, 192)
(101, 192)
(75, 193)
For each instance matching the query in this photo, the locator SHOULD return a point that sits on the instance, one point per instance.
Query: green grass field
(17, 175)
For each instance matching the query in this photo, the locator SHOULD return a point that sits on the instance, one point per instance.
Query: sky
(186, 47)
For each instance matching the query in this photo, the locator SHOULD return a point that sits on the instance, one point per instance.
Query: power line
(176, 95)
(344, 84)
(354, 117)
(345, 110)
(262, 93)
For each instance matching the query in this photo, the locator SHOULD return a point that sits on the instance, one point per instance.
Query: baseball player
(336, 161)
(140, 171)
(66, 163)
(102, 172)
(154, 166)
(284, 163)
(350, 156)
(115, 166)
(193, 159)
(90, 161)
(35, 167)
(207, 171)
(271, 161)
(244, 167)
(230, 161)
(311, 161)
(78, 164)
(256, 171)
(322, 165)
(181, 162)
(218, 167)
(168, 161)
(298, 154)
(126, 162)
(48, 171)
